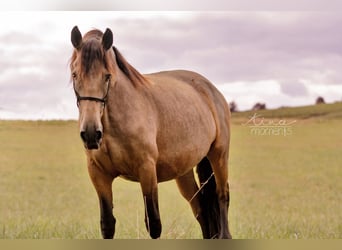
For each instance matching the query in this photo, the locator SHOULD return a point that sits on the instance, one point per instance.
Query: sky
(281, 58)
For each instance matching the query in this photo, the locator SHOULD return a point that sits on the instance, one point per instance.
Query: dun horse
(149, 129)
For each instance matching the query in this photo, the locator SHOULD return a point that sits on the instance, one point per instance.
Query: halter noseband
(91, 98)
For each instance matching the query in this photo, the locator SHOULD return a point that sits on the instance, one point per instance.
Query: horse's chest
(120, 158)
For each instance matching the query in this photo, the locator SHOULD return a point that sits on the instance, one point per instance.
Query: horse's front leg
(149, 186)
(103, 185)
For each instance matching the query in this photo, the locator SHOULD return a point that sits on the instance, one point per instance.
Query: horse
(149, 129)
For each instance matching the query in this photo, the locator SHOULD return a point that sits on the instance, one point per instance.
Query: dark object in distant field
(233, 106)
(259, 106)
(320, 100)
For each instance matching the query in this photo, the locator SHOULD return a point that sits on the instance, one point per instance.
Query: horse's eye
(74, 76)
(107, 77)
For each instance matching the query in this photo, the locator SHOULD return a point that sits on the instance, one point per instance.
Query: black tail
(209, 200)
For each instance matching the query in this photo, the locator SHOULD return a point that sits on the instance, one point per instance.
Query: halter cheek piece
(91, 98)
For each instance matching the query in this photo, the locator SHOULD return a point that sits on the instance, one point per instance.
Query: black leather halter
(91, 98)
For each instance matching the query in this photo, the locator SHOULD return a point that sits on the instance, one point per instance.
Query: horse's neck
(125, 90)
(125, 102)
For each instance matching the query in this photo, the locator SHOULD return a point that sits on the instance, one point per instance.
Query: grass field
(282, 187)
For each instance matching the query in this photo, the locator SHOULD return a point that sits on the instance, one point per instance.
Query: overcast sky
(280, 58)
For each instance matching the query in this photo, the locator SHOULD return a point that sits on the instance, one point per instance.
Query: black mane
(130, 72)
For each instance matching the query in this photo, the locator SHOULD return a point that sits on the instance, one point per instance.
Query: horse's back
(201, 84)
(210, 95)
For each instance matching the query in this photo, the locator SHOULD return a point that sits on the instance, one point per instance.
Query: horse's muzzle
(91, 139)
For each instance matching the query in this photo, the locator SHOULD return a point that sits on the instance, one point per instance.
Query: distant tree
(320, 100)
(259, 106)
(233, 106)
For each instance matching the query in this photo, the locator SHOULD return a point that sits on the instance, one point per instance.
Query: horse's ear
(76, 38)
(107, 39)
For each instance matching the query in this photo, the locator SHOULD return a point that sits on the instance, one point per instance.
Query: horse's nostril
(91, 138)
(83, 136)
(98, 135)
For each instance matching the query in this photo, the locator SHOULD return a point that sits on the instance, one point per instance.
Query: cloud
(231, 46)
(293, 88)
(290, 52)
(260, 91)
(33, 72)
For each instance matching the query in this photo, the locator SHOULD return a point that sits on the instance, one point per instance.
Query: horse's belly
(173, 164)
(180, 152)
(129, 177)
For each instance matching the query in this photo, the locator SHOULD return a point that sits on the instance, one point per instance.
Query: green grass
(322, 111)
(282, 187)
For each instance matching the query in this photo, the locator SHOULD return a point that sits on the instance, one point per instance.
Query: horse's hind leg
(189, 190)
(218, 158)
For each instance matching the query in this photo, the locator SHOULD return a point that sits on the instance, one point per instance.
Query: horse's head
(92, 70)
